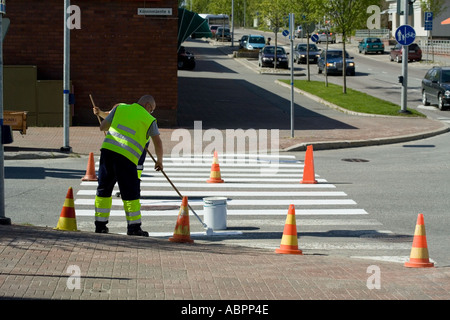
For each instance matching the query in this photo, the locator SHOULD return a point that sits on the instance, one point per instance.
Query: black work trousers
(114, 168)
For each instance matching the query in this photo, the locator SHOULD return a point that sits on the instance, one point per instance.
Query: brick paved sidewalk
(42, 263)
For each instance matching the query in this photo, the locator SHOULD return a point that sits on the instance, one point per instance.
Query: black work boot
(100, 227)
(135, 230)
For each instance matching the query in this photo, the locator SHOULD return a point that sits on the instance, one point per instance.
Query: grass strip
(353, 100)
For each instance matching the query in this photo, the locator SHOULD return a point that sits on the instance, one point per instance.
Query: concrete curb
(357, 143)
(327, 145)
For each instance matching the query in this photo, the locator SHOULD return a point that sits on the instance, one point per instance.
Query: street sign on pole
(405, 35)
(428, 19)
(315, 38)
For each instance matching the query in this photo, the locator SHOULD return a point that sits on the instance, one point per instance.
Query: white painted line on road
(266, 212)
(263, 165)
(232, 202)
(244, 180)
(226, 193)
(224, 185)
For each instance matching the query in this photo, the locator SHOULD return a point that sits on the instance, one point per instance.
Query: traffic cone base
(182, 233)
(419, 252)
(90, 171)
(289, 241)
(309, 176)
(215, 171)
(67, 220)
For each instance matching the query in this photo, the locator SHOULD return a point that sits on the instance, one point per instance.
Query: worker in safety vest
(129, 127)
(140, 165)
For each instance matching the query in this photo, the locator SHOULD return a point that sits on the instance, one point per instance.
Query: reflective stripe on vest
(127, 134)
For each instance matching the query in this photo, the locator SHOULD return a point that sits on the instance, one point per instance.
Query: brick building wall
(117, 55)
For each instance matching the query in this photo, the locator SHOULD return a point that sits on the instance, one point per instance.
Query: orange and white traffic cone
(289, 242)
(90, 171)
(419, 251)
(309, 176)
(67, 220)
(215, 171)
(182, 230)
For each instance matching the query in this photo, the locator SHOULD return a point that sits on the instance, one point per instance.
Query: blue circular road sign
(315, 38)
(285, 33)
(405, 35)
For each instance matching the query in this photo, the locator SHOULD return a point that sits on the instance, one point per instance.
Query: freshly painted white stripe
(228, 185)
(232, 202)
(149, 176)
(238, 155)
(266, 212)
(232, 164)
(232, 170)
(203, 179)
(226, 193)
(192, 234)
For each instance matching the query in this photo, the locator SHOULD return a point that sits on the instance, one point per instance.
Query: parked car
(298, 33)
(267, 57)
(414, 53)
(186, 60)
(436, 87)
(255, 42)
(335, 62)
(223, 34)
(242, 41)
(213, 29)
(367, 45)
(300, 53)
(323, 36)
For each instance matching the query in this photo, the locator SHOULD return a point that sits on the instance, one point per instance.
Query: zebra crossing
(259, 190)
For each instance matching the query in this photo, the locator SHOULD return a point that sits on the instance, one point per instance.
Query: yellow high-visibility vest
(127, 134)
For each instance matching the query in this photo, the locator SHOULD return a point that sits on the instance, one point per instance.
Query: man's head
(148, 102)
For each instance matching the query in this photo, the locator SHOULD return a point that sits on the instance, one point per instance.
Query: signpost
(3, 220)
(405, 35)
(428, 22)
(315, 38)
(291, 33)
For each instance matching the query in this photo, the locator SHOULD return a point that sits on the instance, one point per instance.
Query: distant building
(417, 21)
(117, 55)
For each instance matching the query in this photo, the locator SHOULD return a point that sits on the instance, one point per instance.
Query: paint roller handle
(176, 190)
(98, 117)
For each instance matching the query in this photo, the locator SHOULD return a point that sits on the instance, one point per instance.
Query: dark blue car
(267, 57)
(335, 62)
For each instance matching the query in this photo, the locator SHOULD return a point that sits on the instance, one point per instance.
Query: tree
(435, 6)
(346, 16)
(307, 13)
(274, 12)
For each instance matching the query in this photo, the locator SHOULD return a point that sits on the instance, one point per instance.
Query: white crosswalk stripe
(259, 191)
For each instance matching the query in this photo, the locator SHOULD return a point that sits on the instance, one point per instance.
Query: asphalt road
(390, 184)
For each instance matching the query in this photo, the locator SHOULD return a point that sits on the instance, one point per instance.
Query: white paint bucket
(215, 212)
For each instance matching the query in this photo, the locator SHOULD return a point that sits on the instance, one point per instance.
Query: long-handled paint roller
(209, 231)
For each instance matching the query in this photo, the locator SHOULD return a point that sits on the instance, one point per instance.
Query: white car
(255, 42)
(323, 37)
